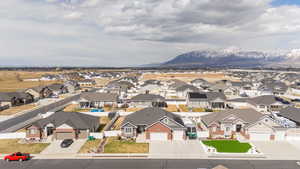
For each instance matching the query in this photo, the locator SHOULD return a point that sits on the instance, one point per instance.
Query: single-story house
(147, 100)
(267, 103)
(209, 100)
(15, 98)
(98, 100)
(153, 124)
(63, 125)
(246, 123)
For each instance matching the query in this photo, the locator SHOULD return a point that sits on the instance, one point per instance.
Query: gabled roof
(266, 100)
(291, 113)
(147, 97)
(209, 96)
(151, 115)
(73, 119)
(7, 96)
(96, 96)
(187, 87)
(247, 115)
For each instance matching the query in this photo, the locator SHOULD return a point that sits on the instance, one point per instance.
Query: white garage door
(178, 135)
(295, 137)
(260, 136)
(158, 136)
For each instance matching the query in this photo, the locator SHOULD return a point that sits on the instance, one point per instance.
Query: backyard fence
(97, 135)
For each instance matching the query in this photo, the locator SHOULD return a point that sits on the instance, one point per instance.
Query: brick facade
(159, 128)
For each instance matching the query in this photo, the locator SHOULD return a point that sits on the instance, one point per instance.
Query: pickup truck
(17, 157)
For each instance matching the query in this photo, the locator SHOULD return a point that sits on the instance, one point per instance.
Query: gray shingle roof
(186, 87)
(147, 97)
(151, 115)
(247, 115)
(265, 100)
(209, 96)
(7, 96)
(96, 96)
(73, 119)
(291, 113)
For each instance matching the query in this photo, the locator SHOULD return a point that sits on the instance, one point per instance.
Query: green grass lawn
(123, 146)
(228, 146)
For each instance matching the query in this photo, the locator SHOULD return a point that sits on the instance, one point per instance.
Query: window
(261, 106)
(227, 129)
(166, 120)
(266, 120)
(128, 130)
(32, 131)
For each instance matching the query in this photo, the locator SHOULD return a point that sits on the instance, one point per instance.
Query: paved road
(7, 126)
(147, 164)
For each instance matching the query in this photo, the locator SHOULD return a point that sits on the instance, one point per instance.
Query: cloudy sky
(135, 32)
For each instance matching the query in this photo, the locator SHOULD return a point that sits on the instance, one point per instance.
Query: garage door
(260, 136)
(65, 135)
(178, 135)
(159, 136)
(295, 137)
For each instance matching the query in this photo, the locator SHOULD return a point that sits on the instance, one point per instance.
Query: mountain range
(234, 58)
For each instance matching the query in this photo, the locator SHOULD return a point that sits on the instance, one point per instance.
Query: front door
(238, 128)
(49, 131)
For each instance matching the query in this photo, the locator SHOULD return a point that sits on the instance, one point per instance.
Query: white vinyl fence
(203, 134)
(97, 135)
(112, 133)
(12, 135)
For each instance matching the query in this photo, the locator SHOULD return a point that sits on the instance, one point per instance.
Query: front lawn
(8, 146)
(124, 146)
(90, 146)
(228, 146)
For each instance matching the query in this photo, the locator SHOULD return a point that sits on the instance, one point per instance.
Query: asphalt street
(10, 123)
(147, 164)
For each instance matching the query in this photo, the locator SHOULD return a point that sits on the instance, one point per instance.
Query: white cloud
(134, 31)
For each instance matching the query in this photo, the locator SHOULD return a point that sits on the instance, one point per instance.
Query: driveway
(54, 147)
(278, 149)
(176, 149)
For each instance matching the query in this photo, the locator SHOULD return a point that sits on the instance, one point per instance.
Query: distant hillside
(224, 58)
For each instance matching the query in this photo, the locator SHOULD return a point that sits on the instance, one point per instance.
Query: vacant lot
(123, 146)
(17, 109)
(11, 145)
(187, 77)
(11, 81)
(90, 146)
(228, 146)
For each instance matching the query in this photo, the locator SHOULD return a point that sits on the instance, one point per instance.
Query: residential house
(15, 98)
(290, 117)
(147, 100)
(39, 92)
(208, 100)
(63, 125)
(153, 124)
(182, 91)
(242, 123)
(57, 89)
(87, 83)
(98, 100)
(267, 103)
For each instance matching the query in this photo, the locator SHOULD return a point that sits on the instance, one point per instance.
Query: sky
(137, 32)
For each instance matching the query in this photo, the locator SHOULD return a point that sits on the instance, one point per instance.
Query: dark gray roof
(247, 115)
(291, 113)
(96, 96)
(8, 96)
(194, 96)
(73, 119)
(186, 87)
(56, 86)
(266, 100)
(151, 115)
(147, 97)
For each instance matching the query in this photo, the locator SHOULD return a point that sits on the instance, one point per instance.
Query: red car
(17, 157)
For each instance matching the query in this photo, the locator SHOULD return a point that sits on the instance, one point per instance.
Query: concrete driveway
(54, 147)
(278, 149)
(176, 149)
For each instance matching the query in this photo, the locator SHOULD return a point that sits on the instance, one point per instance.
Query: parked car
(66, 143)
(17, 157)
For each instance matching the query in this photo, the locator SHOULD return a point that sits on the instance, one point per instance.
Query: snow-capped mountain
(232, 57)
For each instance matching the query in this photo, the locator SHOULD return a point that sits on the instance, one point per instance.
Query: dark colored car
(66, 143)
(17, 157)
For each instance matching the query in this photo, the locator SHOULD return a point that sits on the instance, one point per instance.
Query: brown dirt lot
(185, 76)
